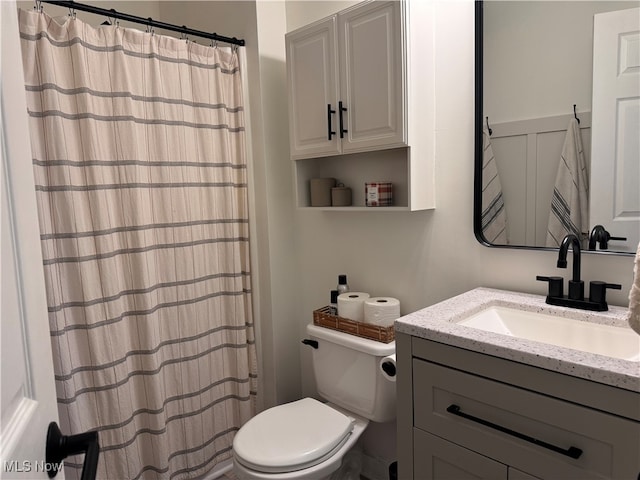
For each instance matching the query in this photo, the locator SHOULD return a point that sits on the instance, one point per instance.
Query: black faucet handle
(556, 285)
(598, 291)
(620, 239)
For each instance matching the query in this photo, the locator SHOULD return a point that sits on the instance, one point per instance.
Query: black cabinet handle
(342, 129)
(329, 113)
(61, 446)
(573, 452)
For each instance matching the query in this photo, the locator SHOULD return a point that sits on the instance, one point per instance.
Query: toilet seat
(291, 437)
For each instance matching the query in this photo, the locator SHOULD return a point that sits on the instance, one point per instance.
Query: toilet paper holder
(389, 368)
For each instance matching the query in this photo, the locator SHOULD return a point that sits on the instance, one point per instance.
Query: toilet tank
(348, 374)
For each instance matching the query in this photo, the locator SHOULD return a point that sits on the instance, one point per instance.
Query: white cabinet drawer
(529, 431)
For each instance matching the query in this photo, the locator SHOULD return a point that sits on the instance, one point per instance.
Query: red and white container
(378, 194)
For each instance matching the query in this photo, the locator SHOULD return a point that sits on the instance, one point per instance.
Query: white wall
(304, 12)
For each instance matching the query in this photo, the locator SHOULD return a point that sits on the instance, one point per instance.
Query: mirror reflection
(560, 119)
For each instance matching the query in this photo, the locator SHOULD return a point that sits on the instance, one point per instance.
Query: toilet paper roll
(351, 305)
(388, 367)
(381, 311)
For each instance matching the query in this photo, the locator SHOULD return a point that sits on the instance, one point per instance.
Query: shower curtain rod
(111, 13)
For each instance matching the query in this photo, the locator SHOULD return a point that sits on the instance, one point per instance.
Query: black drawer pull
(573, 452)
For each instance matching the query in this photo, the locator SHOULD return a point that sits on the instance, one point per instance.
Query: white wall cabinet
(345, 78)
(312, 75)
(462, 412)
(355, 86)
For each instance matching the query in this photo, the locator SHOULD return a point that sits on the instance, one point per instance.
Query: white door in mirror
(615, 145)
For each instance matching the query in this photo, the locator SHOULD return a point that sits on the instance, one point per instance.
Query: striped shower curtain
(141, 179)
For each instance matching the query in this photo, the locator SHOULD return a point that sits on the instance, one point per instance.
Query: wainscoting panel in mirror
(540, 112)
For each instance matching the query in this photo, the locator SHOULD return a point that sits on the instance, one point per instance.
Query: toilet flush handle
(311, 343)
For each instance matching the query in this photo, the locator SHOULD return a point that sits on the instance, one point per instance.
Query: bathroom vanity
(474, 403)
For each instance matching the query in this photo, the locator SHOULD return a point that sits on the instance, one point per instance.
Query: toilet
(308, 439)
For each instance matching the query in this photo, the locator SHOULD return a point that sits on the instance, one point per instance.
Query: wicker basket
(324, 318)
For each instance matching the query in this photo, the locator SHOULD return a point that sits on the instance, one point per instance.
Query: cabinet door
(438, 459)
(515, 474)
(372, 68)
(312, 76)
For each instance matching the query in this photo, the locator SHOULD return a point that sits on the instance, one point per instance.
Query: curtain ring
(72, 12)
(149, 27)
(183, 35)
(111, 22)
(38, 6)
(114, 20)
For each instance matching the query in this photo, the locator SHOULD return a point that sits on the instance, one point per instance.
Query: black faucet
(575, 299)
(601, 236)
(576, 285)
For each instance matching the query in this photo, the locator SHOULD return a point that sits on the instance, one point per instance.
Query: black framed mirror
(523, 126)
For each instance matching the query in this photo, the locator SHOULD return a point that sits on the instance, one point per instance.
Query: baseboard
(375, 468)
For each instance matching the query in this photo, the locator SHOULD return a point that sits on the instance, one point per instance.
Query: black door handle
(61, 446)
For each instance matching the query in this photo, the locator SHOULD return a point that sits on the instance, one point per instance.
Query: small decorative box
(378, 194)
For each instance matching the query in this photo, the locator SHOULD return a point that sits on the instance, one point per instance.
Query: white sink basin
(616, 342)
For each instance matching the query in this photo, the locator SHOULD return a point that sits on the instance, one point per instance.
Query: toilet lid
(291, 437)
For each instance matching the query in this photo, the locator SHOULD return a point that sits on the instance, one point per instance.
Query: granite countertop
(438, 323)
